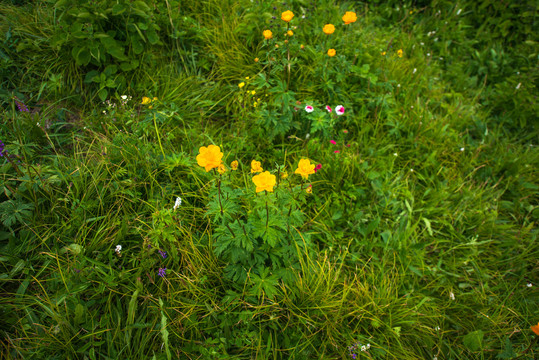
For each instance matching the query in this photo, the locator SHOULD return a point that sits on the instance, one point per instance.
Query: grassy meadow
(297, 179)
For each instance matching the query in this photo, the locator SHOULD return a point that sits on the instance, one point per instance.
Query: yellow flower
(309, 189)
(305, 168)
(302, 47)
(276, 46)
(399, 52)
(349, 17)
(383, 53)
(221, 169)
(146, 100)
(267, 34)
(255, 104)
(289, 33)
(253, 92)
(247, 78)
(234, 165)
(209, 157)
(535, 329)
(328, 29)
(331, 52)
(284, 175)
(287, 15)
(155, 99)
(264, 181)
(256, 59)
(241, 84)
(256, 166)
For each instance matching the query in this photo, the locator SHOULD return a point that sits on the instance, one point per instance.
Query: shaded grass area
(420, 231)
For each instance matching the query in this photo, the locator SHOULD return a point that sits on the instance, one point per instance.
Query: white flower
(437, 328)
(461, 149)
(395, 154)
(309, 108)
(518, 86)
(411, 170)
(368, 346)
(452, 296)
(529, 285)
(398, 85)
(118, 249)
(458, 12)
(307, 136)
(124, 97)
(363, 348)
(339, 109)
(177, 203)
(413, 72)
(428, 54)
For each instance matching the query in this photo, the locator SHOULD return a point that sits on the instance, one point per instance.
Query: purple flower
(163, 254)
(2, 147)
(21, 106)
(162, 272)
(354, 356)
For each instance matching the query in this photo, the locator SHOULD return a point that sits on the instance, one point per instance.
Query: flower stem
(219, 191)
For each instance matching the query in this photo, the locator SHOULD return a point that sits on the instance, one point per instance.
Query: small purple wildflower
(162, 272)
(163, 254)
(2, 148)
(21, 106)
(354, 356)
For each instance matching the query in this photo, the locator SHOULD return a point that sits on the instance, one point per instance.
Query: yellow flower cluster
(210, 157)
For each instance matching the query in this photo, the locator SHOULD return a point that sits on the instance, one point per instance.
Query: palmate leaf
(265, 283)
(12, 212)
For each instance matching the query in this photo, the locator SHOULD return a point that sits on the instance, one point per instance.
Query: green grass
(419, 237)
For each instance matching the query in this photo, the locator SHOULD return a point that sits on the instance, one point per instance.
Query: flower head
(317, 167)
(305, 168)
(209, 157)
(118, 249)
(349, 17)
(256, 167)
(535, 329)
(333, 142)
(256, 59)
(234, 165)
(241, 84)
(328, 29)
(328, 108)
(384, 53)
(332, 52)
(162, 272)
(2, 149)
(146, 100)
(264, 181)
(339, 109)
(309, 189)
(177, 203)
(336, 151)
(289, 33)
(309, 108)
(399, 53)
(287, 16)
(221, 169)
(163, 254)
(284, 175)
(267, 34)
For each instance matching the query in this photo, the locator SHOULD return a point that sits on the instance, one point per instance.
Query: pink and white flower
(309, 108)
(328, 108)
(339, 109)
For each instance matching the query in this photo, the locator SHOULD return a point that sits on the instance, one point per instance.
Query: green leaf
(103, 93)
(474, 340)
